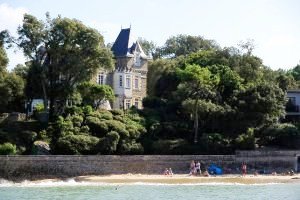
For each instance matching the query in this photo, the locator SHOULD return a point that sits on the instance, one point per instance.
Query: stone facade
(129, 79)
(35, 167)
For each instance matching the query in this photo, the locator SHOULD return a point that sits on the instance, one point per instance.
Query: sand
(186, 179)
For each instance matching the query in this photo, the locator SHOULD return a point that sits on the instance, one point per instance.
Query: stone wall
(35, 167)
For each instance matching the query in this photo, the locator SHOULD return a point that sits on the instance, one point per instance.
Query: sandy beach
(186, 179)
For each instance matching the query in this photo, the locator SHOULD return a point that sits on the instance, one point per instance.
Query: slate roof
(120, 47)
(125, 45)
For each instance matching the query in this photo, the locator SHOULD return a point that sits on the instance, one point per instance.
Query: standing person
(192, 167)
(170, 172)
(244, 169)
(198, 168)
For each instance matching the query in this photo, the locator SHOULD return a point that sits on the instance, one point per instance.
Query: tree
(148, 46)
(94, 94)
(21, 70)
(198, 89)
(247, 46)
(12, 93)
(67, 53)
(260, 104)
(185, 44)
(3, 56)
(156, 70)
(295, 72)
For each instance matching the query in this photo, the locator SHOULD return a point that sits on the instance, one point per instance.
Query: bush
(285, 135)
(119, 127)
(8, 149)
(117, 112)
(119, 118)
(72, 110)
(97, 127)
(76, 144)
(77, 120)
(130, 147)
(39, 107)
(105, 115)
(65, 126)
(168, 146)
(153, 102)
(246, 141)
(108, 144)
(215, 143)
(87, 110)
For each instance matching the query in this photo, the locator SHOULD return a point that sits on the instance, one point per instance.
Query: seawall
(63, 166)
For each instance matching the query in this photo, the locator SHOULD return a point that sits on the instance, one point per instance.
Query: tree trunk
(28, 105)
(196, 125)
(45, 99)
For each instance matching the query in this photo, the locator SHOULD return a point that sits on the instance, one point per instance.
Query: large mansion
(129, 78)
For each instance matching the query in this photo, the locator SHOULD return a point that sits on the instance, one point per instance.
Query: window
(292, 100)
(121, 81)
(136, 103)
(101, 78)
(137, 59)
(128, 81)
(136, 82)
(127, 103)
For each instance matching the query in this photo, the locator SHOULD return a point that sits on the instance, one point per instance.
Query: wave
(73, 182)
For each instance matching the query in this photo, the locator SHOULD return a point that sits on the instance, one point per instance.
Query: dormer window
(137, 61)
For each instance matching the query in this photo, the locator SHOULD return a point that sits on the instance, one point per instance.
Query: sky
(274, 25)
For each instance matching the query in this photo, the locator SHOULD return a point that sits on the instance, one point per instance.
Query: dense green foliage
(7, 149)
(63, 53)
(202, 99)
(84, 131)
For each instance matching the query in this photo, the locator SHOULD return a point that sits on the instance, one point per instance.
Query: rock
(41, 148)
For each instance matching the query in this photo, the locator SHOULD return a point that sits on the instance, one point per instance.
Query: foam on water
(73, 182)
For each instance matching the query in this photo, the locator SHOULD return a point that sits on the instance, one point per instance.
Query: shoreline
(179, 179)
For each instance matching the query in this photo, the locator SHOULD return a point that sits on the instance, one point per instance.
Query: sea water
(139, 191)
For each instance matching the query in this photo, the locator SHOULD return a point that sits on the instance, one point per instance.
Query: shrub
(108, 144)
(167, 146)
(39, 107)
(153, 102)
(65, 126)
(130, 147)
(77, 120)
(87, 110)
(106, 115)
(117, 126)
(76, 144)
(72, 110)
(285, 135)
(42, 135)
(246, 141)
(119, 118)
(97, 127)
(8, 149)
(215, 143)
(117, 112)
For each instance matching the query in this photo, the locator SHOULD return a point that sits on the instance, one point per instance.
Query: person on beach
(192, 168)
(198, 168)
(170, 172)
(166, 172)
(244, 169)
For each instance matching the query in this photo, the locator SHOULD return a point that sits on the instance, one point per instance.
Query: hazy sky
(274, 25)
